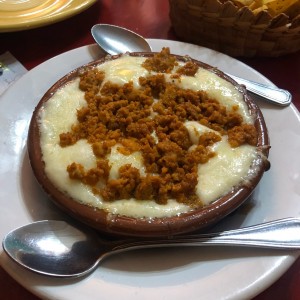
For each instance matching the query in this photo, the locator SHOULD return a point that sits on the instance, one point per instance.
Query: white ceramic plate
(177, 273)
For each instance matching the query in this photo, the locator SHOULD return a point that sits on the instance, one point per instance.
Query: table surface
(149, 18)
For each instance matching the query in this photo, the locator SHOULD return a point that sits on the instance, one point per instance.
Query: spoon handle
(279, 234)
(272, 94)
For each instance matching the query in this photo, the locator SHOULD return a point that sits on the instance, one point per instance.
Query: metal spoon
(56, 248)
(114, 40)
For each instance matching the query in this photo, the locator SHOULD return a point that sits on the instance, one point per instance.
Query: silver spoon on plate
(59, 249)
(114, 40)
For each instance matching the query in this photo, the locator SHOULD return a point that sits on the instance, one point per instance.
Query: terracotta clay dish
(167, 180)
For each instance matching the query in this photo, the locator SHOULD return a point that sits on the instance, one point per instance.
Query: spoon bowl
(115, 40)
(59, 249)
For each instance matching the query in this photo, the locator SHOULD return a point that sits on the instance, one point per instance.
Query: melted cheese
(215, 178)
(123, 70)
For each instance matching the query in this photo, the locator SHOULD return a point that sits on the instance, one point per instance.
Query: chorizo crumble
(131, 118)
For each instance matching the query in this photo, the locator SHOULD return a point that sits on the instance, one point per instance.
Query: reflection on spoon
(114, 40)
(56, 248)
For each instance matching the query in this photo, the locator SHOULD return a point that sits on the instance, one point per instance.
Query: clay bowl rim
(118, 225)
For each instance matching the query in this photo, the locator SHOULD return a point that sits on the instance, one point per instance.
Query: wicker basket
(234, 31)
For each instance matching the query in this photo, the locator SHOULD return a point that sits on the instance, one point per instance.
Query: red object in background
(149, 18)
